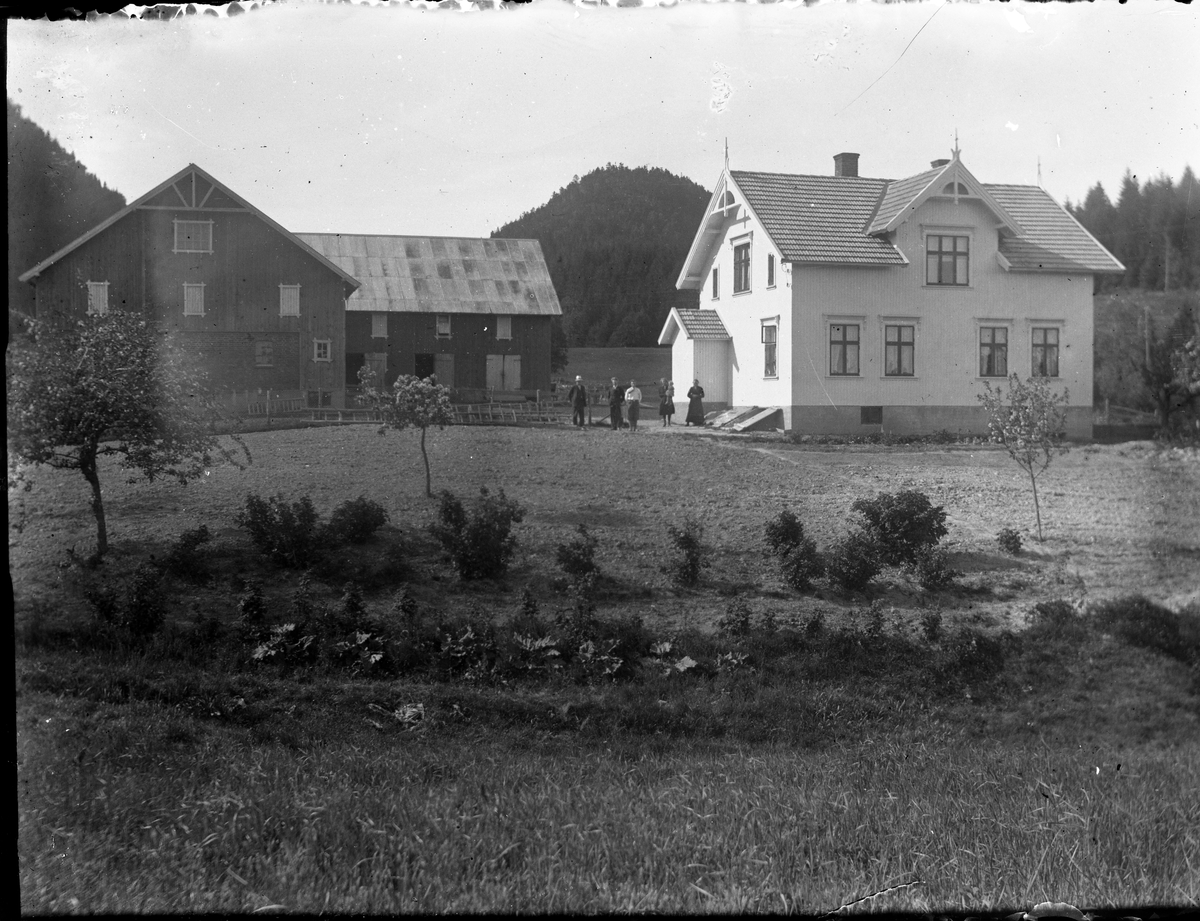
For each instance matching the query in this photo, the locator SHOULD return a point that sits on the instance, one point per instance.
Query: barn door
(444, 369)
(495, 372)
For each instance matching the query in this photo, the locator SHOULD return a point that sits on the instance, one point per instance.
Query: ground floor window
(843, 348)
(322, 350)
(898, 346)
(993, 351)
(770, 333)
(1045, 351)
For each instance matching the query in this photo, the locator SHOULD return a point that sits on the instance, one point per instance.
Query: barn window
(193, 236)
(322, 350)
(193, 300)
(97, 298)
(289, 300)
(443, 326)
(264, 354)
(503, 327)
(379, 326)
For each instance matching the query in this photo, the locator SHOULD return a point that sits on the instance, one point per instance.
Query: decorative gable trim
(953, 173)
(723, 207)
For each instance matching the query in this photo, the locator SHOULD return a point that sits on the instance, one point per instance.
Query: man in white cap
(579, 399)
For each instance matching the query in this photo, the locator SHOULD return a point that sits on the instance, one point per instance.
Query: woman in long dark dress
(695, 413)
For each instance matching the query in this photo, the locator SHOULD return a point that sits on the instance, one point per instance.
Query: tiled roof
(899, 193)
(442, 274)
(819, 218)
(1053, 240)
(701, 324)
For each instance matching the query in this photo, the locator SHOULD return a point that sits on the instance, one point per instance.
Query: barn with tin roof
(842, 304)
(475, 312)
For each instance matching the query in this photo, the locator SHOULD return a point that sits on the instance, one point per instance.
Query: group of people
(630, 398)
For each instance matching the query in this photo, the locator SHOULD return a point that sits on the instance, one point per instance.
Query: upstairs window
(503, 327)
(193, 236)
(1045, 351)
(443, 326)
(770, 270)
(289, 300)
(97, 298)
(716, 283)
(898, 351)
(379, 326)
(993, 351)
(193, 300)
(741, 268)
(946, 259)
(770, 333)
(843, 349)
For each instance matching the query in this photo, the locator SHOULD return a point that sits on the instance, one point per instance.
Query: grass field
(986, 764)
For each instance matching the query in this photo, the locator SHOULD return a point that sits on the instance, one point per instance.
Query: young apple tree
(106, 386)
(412, 402)
(1030, 420)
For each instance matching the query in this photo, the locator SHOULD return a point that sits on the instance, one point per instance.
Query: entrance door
(424, 365)
(504, 372)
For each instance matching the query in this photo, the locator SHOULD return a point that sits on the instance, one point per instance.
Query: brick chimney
(845, 164)
(938, 164)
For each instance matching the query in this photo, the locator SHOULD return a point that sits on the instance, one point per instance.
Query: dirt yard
(1118, 519)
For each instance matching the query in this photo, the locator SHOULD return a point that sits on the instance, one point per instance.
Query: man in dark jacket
(616, 399)
(578, 398)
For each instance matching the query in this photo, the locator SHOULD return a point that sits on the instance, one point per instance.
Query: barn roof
(442, 274)
(189, 189)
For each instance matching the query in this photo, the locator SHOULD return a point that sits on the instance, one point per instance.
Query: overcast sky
(370, 119)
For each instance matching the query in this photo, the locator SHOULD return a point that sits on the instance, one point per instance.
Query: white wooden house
(850, 305)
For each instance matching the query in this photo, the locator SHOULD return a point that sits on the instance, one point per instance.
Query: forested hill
(52, 200)
(1154, 229)
(615, 242)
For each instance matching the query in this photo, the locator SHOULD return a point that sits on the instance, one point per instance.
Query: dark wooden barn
(474, 312)
(265, 309)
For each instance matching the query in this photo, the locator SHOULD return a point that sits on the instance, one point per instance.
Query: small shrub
(185, 558)
(356, 521)
(933, 570)
(578, 558)
(288, 533)
(1009, 541)
(481, 544)
(902, 524)
(853, 562)
(251, 608)
(816, 624)
(736, 619)
(799, 560)
(931, 625)
(1056, 620)
(138, 611)
(1141, 622)
(685, 570)
(351, 613)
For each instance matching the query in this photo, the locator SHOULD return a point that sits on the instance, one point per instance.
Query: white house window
(193, 300)
(443, 326)
(843, 349)
(770, 270)
(289, 300)
(264, 354)
(322, 350)
(97, 298)
(379, 326)
(1045, 351)
(741, 268)
(193, 236)
(770, 333)
(716, 283)
(503, 327)
(993, 351)
(898, 350)
(946, 259)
